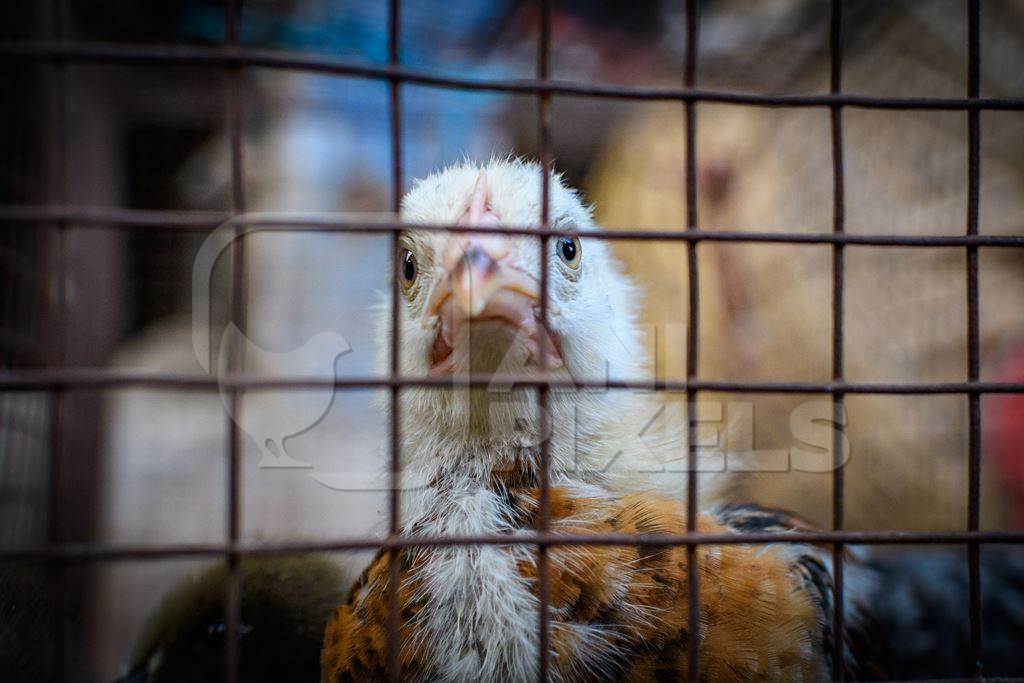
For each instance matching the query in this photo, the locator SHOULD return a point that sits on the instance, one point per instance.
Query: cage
(799, 188)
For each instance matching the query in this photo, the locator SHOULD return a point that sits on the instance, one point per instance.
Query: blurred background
(143, 466)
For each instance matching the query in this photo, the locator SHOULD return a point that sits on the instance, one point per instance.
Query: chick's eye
(409, 268)
(217, 631)
(570, 252)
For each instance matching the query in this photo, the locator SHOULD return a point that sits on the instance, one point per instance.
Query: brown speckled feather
(618, 613)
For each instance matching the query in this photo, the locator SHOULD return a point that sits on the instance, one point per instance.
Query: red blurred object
(1007, 438)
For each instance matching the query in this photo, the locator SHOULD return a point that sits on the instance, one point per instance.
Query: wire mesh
(233, 58)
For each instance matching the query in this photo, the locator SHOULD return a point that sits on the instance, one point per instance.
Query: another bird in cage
(284, 604)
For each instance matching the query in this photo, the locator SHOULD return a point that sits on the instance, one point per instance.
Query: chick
(469, 304)
(285, 603)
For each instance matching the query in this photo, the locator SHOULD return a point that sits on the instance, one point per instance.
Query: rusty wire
(692, 338)
(238, 304)
(394, 642)
(90, 552)
(234, 59)
(141, 220)
(157, 55)
(57, 351)
(838, 277)
(973, 344)
(543, 416)
(85, 378)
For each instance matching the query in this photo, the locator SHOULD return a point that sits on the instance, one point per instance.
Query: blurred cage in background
(828, 160)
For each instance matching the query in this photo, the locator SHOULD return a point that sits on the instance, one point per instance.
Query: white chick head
(469, 304)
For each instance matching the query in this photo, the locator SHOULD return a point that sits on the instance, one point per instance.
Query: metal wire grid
(233, 58)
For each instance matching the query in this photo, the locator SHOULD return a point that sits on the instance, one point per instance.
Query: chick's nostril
(479, 262)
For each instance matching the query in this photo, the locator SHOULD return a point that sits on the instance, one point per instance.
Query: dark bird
(285, 603)
(28, 630)
(914, 622)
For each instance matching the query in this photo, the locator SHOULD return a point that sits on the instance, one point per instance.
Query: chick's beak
(479, 282)
(476, 265)
(482, 285)
(482, 282)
